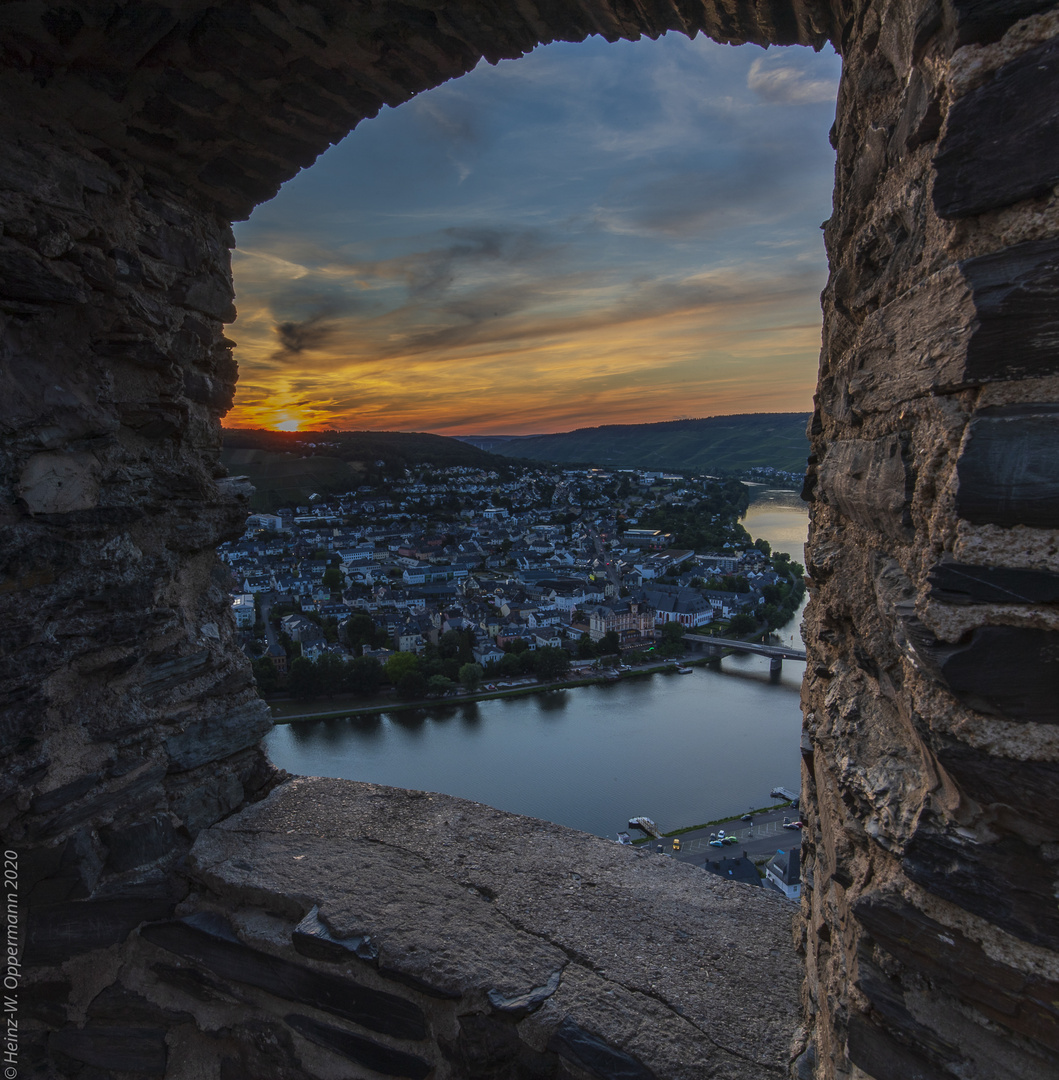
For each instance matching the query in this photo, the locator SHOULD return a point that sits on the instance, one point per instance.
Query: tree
(742, 624)
(301, 679)
(329, 672)
(401, 664)
(471, 676)
(672, 639)
(449, 644)
(332, 579)
(551, 663)
(411, 685)
(609, 643)
(438, 685)
(359, 630)
(363, 675)
(509, 665)
(266, 676)
(585, 649)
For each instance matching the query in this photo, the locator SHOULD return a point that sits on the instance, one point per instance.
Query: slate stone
(523, 1004)
(215, 737)
(882, 1057)
(869, 482)
(60, 796)
(1001, 142)
(1030, 788)
(979, 22)
(170, 672)
(487, 1047)
(57, 932)
(208, 940)
(117, 1049)
(1015, 293)
(117, 1004)
(964, 583)
(367, 1052)
(197, 984)
(312, 938)
(1008, 671)
(24, 276)
(45, 1000)
(142, 791)
(66, 871)
(1009, 469)
(956, 965)
(1005, 883)
(592, 1053)
(887, 1001)
(136, 845)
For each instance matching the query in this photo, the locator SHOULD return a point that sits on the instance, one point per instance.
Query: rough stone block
(1029, 788)
(1007, 883)
(60, 483)
(957, 965)
(59, 931)
(590, 1052)
(965, 583)
(141, 792)
(467, 902)
(1009, 671)
(1001, 142)
(116, 1049)
(882, 1057)
(366, 1052)
(135, 845)
(981, 21)
(1009, 469)
(1016, 303)
(312, 938)
(869, 483)
(215, 737)
(208, 940)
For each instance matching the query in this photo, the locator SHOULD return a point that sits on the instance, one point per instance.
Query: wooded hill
(286, 467)
(715, 444)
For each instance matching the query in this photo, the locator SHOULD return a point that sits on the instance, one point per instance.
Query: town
(435, 581)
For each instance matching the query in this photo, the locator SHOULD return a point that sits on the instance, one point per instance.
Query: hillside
(286, 467)
(716, 444)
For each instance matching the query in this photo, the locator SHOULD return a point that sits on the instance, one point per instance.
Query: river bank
(280, 715)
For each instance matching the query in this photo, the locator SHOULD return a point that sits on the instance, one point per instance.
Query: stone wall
(133, 134)
(932, 692)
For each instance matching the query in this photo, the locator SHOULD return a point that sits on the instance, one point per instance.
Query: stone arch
(134, 134)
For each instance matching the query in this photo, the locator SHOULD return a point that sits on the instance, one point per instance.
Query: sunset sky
(593, 234)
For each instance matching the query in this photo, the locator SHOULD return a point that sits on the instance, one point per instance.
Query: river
(682, 749)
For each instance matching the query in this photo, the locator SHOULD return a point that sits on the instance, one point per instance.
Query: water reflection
(552, 702)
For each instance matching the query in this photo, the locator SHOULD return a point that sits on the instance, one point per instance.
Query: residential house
(783, 872)
(243, 610)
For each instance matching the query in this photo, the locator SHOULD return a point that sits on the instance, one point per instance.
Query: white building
(784, 872)
(243, 609)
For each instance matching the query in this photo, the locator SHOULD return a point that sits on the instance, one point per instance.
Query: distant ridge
(717, 444)
(288, 467)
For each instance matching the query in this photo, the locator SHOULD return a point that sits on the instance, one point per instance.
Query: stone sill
(429, 931)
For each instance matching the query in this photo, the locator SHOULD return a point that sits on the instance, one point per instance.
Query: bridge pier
(775, 665)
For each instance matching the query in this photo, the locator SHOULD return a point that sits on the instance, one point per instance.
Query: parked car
(792, 824)
(747, 817)
(676, 843)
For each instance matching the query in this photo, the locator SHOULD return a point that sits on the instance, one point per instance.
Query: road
(608, 561)
(762, 837)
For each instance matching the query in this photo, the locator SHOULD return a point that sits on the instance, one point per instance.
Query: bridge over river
(776, 653)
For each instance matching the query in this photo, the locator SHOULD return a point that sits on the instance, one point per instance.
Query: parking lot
(762, 837)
